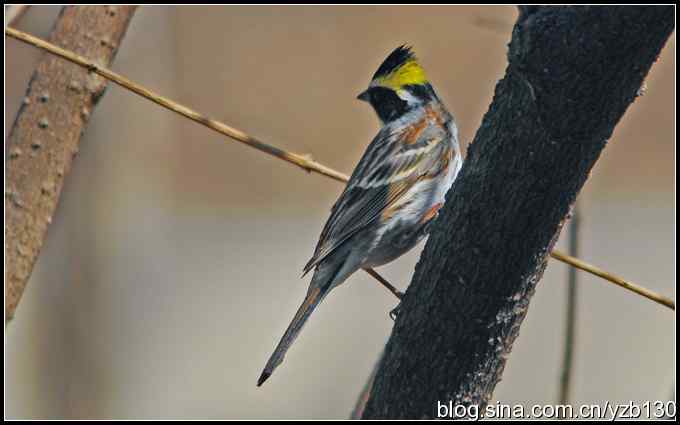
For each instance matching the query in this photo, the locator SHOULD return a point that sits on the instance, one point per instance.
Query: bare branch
(570, 319)
(365, 394)
(626, 284)
(14, 12)
(45, 136)
(301, 160)
(385, 283)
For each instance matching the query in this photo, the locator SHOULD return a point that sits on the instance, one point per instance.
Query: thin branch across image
(303, 161)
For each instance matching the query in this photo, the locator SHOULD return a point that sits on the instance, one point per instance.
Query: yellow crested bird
(395, 190)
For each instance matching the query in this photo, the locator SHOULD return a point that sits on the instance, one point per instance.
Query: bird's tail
(314, 296)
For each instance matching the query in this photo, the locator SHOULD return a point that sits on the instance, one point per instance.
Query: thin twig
(385, 283)
(365, 394)
(303, 161)
(570, 319)
(14, 12)
(661, 299)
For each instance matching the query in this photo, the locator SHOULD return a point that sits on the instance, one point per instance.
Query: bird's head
(398, 85)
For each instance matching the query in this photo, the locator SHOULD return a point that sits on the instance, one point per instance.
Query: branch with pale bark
(44, 138)
(302, 161)
(14, 12)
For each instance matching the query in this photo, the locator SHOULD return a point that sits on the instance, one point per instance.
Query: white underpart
(454, 166)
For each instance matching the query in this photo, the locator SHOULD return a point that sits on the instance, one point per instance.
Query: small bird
(394, 192)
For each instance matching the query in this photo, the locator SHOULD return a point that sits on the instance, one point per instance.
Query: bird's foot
(395, 311)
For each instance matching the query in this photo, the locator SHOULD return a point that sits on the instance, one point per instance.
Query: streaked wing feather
(357, 217)
(373, 188)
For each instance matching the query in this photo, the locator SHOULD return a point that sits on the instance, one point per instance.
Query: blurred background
(173, 263)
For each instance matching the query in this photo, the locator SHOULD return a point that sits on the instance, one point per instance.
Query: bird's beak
(364, 95)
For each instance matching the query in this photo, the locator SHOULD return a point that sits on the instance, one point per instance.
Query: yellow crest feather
(409, 73)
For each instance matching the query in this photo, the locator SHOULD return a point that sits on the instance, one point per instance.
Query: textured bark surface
(572, 72)
(45, 136)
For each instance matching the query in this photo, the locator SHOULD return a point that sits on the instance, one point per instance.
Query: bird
(394, 192)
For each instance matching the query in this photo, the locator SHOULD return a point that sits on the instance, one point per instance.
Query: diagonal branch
(384, 283)
(570, 319)
(617, 280)
(544, 131)
(303, 161)
(14, 12)
(45, 136)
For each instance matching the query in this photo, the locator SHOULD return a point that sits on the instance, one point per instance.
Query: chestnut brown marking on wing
(431, 213)
(434, 115)
(412, 134)
(430, 117)
(358, 206)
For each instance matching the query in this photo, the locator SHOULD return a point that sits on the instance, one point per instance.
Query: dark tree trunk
(572, 72)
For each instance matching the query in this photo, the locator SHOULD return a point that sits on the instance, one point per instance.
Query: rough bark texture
(45, 136)
(572, 72)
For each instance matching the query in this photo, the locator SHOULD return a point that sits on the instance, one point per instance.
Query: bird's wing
(393, 162)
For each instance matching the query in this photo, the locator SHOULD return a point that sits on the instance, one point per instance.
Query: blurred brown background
(172, 266)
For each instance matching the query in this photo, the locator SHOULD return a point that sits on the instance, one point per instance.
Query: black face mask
(387, 104)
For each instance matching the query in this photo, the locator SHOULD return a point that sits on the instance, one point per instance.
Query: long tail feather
(314, 296)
